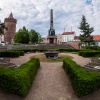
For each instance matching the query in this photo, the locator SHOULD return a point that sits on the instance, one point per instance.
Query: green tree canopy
(33, 36)
(2, 27)
(22, 36)
(85, 28)
(39, 38)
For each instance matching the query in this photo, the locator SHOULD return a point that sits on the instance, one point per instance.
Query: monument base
(52, 39)
(51, 54)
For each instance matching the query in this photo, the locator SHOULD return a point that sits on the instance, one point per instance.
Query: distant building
(59, 38)
(76, 38)
(1, 39)
(44, 40)
(96, 38)
(9, 34)
(68, 36)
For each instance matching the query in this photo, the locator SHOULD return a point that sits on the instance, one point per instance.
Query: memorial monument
(51, 38)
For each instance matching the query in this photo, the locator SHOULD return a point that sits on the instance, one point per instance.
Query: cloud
(35, 14)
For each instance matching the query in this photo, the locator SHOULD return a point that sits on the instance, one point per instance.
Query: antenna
(64, 29)
(71, 28)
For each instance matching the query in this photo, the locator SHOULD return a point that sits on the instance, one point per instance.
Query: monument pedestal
(52, 39)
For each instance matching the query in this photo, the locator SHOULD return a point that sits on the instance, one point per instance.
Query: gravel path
(51, 82)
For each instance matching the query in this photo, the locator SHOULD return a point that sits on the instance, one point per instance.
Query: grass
(60, 58)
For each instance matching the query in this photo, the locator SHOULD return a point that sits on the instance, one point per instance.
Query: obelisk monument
(51, 38)
(51, 19)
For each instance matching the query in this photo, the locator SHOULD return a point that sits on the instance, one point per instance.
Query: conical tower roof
(11, 15)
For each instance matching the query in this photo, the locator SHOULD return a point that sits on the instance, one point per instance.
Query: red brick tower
(9, 34)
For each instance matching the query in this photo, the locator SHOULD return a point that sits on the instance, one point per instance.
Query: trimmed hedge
(84, 82)
(68, 50)
(93, 47)
(18, 80)
(20, 52)
(89, 53)
(33, 50)
(9, 54)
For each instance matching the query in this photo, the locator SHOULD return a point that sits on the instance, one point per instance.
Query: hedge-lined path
(51, 82)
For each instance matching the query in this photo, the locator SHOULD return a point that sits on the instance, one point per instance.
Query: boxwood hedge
(92, 53)
(67, 50)
(93, 47)
(84, 82)
(18, 80)
(11, 53)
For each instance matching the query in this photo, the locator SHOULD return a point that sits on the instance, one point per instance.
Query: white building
(44, 40)
(96, 38)
(1, 39)
(59, 38)
(68, 36)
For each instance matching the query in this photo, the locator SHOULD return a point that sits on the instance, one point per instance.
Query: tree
(33, 36)
(2, 27)
(39, 38)
(22, 36)
(85, 28)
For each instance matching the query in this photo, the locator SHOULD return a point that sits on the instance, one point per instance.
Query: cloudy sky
(35, 14)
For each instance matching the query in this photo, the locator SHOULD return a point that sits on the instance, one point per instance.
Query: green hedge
(20, 52)
(18, 80)
(89, 53)
(84, 82)
(33, 50)
(93, 47)
(10, 54)
(68, 50)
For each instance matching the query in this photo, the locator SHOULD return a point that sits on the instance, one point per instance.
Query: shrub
(20, 52)
(93, 47)
(34, 50)
(89, 53)
(83, 82)
(9, 54)
(42, 50)
(67, 50)
(18, 80)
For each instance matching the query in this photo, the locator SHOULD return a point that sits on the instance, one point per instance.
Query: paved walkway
(51, 82)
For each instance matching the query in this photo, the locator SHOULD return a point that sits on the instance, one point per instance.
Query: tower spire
(11, 15)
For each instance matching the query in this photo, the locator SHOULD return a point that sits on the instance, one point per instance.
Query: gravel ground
(51, 82)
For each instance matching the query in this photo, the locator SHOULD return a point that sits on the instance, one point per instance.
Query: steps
(39, 46)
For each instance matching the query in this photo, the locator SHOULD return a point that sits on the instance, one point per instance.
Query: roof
(11, 15)
(96, 37)
(68, 33)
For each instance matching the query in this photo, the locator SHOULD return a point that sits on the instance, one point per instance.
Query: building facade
(68, 36)
(59, 38)
(9, 34)
(96, 38)
(44, 40)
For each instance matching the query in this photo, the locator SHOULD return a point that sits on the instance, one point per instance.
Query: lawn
(60, 58)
